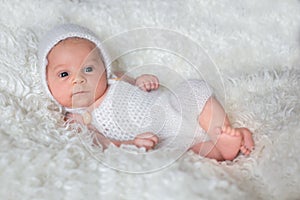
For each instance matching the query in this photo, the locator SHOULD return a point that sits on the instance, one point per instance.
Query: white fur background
(255, 45)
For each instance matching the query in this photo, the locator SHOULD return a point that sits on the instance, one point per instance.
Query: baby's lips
(79, 92)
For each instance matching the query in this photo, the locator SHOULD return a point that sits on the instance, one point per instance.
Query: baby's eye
(88, 69)
(63, 74)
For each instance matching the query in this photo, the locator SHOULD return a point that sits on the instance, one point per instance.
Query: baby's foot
(229, 142)
(247, 143)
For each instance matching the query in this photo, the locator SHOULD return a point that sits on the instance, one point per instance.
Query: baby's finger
(156, 84)
(244, 150)
(147, 85)
(142, 86)
(149, 136)
(148, 144)
(145, 135)
(154, 80)
(154, 139)
(153, 86)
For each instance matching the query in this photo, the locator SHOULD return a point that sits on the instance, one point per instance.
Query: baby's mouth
(79, 93)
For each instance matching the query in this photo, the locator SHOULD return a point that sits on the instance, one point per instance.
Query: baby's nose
(79, 79)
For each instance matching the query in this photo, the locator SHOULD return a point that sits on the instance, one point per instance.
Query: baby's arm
(144, 140)
(146, 82)
(122, 76)
(147, 140)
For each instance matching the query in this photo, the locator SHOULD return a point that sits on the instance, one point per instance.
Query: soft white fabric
(255, 45)
(128, 111)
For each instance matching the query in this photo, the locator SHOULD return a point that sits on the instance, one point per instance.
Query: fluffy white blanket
(255, 46)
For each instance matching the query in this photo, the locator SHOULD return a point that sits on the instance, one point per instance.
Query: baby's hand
(147, 82)
(147, 140)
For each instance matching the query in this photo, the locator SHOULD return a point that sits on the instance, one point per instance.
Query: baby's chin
(81, 102)
(79, 106)
(75, 105)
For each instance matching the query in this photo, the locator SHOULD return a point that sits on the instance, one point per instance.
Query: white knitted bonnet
(62, 32)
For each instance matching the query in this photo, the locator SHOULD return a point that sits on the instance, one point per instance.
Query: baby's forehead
(73, 45)
(76, 40)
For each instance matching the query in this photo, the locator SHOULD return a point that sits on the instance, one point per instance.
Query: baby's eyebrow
(60, 67)
(93, 60)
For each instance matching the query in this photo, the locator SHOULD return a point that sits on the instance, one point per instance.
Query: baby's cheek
(64, 101)
(63, 96)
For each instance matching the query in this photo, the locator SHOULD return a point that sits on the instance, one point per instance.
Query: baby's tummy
(150, 115)
(123, 117)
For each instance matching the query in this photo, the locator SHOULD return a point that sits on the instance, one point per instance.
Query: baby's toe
(244, 150)
(249, 148)
(237, 132)
(232, 131)
(226, 130)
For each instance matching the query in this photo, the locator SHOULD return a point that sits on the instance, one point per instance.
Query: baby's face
(75, 73)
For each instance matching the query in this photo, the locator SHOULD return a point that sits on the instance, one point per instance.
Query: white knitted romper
(128, 111)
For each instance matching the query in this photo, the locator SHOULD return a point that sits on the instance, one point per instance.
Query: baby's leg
(227, 140)
(208, 150)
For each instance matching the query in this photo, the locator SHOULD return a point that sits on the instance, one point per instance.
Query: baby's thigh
(191, 96)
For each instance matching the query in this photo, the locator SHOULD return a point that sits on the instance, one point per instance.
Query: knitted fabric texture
(128, 111)
(62, 32)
